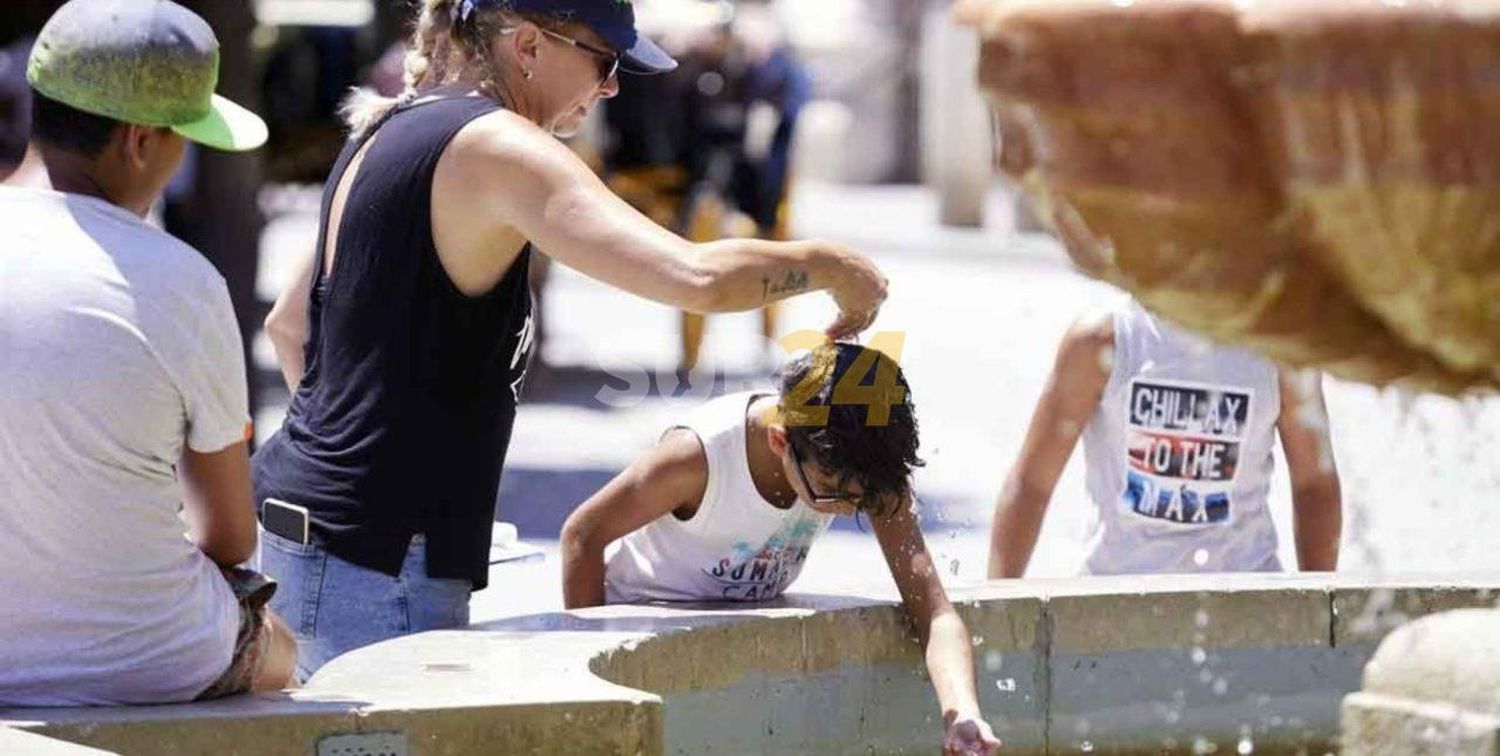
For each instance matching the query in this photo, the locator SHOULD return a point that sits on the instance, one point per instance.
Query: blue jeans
(333, 606)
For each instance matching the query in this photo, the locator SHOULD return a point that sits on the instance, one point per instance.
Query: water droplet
(1246, 746)
(1206, 677)
(993, 661)
(1221, 686)
(1087, 746)
(1006, 685)
(1199, 656)
(1200, 557)
(1204, 746)
(977, 640)
(1201, 619)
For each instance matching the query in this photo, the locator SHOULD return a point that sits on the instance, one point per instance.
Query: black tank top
(402, 420)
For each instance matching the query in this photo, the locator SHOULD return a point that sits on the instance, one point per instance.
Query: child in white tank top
(727, 505)
(736, 546)
(1178, 435)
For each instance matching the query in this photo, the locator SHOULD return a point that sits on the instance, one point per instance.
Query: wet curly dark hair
(868, 432)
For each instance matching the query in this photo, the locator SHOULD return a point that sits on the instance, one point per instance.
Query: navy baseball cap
(612, 20)
(147, 62)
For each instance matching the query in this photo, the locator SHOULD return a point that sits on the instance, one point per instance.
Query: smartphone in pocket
(286, 520)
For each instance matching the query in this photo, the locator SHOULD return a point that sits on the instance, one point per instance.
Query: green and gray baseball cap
(146, 62)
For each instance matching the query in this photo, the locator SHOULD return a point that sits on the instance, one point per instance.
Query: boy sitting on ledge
(727, 505)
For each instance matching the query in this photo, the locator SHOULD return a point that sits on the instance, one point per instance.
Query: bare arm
(1078, 379)
(1317, 502)
(523, 179)
(670, 477)
(286, 326)
(218, 503)
(945, 639)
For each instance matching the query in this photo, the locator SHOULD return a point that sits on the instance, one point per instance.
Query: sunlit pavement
(981, 312)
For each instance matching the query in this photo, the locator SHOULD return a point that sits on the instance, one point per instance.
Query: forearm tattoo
(785, 282)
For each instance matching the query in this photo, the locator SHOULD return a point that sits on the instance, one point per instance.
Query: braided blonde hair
(437, 56)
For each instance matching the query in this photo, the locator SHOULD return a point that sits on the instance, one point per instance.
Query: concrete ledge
(1108, 664)
(1367, 612)
(1226, 618)
(269, 724)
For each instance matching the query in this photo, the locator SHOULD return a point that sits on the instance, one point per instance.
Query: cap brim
(227, 127)
(645, 57)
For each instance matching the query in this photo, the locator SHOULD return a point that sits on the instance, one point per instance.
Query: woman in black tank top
(406, 343)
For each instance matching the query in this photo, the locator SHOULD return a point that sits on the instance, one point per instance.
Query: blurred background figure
(744, 90)
(15, 104)
(23, 19)
(708, 150)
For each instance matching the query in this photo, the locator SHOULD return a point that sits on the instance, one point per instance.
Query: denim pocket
(287, 545)
(298, 570)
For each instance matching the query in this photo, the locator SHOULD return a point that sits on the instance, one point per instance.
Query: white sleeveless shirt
(736, 547)
(1179, 454)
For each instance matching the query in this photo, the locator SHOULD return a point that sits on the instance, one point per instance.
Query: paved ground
(981, 312)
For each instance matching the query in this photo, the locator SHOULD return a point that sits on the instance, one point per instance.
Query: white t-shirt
(736, 547)
(1179, 454)
(118, 345)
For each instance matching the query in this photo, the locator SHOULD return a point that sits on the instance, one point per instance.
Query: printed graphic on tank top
(520, 359)
(1183, 447)
(1178, 454)
(756, 572)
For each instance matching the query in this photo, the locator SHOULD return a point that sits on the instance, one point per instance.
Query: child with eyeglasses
(727, 505)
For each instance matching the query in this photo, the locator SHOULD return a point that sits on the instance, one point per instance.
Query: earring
(528, 74)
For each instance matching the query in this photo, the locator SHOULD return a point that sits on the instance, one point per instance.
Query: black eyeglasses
(817, 498)
(609, 60)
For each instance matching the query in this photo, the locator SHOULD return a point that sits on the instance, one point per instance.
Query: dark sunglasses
(609, 60)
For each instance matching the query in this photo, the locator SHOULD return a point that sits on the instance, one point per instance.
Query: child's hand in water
(970, 736)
